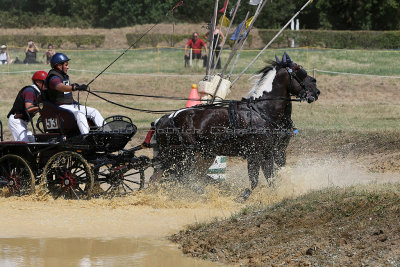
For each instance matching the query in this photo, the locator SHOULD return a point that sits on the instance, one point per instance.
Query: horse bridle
(299, 75)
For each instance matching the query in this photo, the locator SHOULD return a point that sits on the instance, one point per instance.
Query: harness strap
(232, 114)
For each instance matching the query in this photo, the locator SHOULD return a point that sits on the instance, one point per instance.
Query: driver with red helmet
(25, 107)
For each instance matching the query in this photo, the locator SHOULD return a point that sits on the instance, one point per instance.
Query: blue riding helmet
(58, 58)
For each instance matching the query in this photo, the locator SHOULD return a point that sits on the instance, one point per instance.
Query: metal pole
(270, 42)
(258, 11)
(214, 21)
(236, 45)
(216, 45)
(190, 59)
(227, 33)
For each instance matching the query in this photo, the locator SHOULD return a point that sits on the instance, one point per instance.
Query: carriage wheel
(67, 174)
(119, 180)
(16, 175)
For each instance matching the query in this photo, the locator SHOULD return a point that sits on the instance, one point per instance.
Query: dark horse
(257, 128)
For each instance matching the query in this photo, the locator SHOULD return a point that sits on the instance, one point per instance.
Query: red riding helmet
(39, 76)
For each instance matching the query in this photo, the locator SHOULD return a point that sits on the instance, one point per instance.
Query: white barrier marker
(218, 168)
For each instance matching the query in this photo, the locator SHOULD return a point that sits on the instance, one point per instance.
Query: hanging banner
(222, 10)
(254, 2)
(248, 22)
(224, 21)
(235, 34)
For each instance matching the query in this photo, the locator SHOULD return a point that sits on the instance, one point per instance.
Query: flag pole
(235, 46)
(258, 11)
(227, 32)
(215, 49)
(270, 42)
(210, 53)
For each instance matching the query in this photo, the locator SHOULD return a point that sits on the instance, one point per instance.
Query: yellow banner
(224, 21)
(248, 22)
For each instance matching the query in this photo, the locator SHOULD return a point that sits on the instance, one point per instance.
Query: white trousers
(80, 116)
(19, 130)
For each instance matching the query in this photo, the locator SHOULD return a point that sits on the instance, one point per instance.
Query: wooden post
(314, 72)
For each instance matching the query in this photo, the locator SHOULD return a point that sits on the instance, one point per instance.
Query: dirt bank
(352, 227)
(354, 222)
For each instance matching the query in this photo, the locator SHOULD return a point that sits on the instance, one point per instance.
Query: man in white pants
(60, 92)
(25, 107)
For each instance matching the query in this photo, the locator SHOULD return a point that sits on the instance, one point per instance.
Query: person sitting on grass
(49, 53)
(4, 56)
(30, 53)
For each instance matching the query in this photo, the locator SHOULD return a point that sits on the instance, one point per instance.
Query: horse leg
(267, 166)
(253, 168)
(279, 152)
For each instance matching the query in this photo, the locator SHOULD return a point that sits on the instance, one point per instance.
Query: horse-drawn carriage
(72, 165)
(69, 164)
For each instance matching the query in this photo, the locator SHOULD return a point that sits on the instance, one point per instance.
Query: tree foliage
(321, 14)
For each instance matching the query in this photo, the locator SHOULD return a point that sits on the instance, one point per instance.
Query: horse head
(301, 84)
(284, 78)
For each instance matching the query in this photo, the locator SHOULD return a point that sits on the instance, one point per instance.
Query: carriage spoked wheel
(16, 175)
(67, 174)
(118, 180)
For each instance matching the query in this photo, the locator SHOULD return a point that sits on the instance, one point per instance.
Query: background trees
(321, 14)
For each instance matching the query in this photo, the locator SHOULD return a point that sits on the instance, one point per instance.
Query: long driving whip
(126, 50)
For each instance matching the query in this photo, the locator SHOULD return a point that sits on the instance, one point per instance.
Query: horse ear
(277, 59)
(284, 58)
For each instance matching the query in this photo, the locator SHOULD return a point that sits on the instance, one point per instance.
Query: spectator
(60, 92)
(196, 44)
(30, 53)
(4, 56)
(216, 44)
(25, 107)
(49, 53)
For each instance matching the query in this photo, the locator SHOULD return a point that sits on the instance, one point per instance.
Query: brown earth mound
(343, 227)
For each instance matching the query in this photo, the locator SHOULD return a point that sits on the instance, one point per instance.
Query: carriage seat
(59, 120)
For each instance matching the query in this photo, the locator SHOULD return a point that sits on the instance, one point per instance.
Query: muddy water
(125, 231)
(93, 252)
(133, 230)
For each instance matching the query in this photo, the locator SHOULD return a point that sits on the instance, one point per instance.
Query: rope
(126, 50)
(214, 105)
(135, 109)
(180, 98)
(270, 42)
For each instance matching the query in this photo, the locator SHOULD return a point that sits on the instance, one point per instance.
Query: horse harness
(299, 75)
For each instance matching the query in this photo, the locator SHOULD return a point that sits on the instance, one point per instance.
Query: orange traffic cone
(194, 98)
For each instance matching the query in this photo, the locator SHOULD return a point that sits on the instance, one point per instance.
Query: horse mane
(262, 81)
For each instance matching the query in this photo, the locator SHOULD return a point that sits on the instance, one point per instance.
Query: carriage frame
(65, 163)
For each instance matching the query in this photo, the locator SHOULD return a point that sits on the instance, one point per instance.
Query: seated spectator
(49, 53)
(4, 56)
(30, 53)
(196, 44)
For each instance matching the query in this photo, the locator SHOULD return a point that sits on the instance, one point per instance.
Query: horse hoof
(246, 194)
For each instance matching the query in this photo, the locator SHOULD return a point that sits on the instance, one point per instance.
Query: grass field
(170, 60)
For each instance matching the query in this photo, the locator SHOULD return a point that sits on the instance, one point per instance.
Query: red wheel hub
(68, 180)
(12, 182)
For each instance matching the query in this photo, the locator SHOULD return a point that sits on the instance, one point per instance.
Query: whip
(140, 38)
